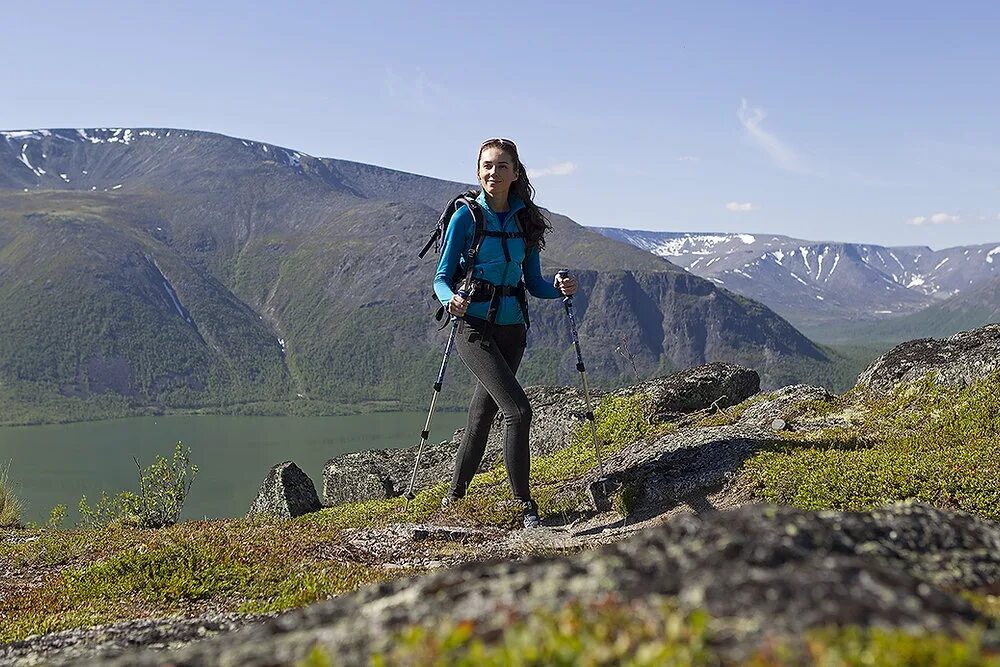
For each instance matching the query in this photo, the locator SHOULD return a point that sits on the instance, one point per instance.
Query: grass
(926, 442)
(117, 573)
(10, 506)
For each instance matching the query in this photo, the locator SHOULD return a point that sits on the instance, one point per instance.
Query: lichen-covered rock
(385, 473)
(653, 476)
(954, 361)
(286, 492)
(766, 408)
(770, 570)
(697, 388)
(103, 642)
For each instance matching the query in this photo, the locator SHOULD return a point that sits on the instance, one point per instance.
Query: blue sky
(846, 121)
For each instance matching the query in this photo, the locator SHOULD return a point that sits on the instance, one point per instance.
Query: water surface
(59, 463)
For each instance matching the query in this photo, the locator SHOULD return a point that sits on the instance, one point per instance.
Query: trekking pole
(568, 303)
(410, 495)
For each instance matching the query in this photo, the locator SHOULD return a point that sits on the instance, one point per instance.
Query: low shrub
(931, 443)
(163, 487)
(10, 506)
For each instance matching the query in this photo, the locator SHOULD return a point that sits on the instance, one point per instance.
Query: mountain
(152, 269)
(971, 309)
(818, 284)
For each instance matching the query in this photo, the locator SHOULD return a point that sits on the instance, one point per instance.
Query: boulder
(653, 477)
(385, 473)
(286, 492)
(779, 405)
(696, 388)
(954, 361)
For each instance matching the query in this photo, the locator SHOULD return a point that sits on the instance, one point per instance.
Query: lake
(59, 463)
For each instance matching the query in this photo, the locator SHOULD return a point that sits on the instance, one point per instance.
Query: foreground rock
(557, 413)
(954, 361)
(71, 646)
(286, 492)
(768, 570)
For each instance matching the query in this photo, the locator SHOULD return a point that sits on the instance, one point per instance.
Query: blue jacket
(491, 265)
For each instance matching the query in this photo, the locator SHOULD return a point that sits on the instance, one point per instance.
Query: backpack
(436, 239)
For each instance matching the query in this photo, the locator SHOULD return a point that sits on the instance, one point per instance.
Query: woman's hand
(565, 283)
(457, 306)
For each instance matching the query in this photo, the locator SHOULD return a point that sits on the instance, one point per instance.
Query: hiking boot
(530, 511)
(448, 500)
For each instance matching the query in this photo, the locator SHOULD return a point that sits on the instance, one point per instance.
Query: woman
(493, 349)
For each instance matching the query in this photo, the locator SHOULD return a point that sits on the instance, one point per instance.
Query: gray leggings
(494, 359)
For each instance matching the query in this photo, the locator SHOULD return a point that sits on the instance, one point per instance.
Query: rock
(778, 425)
(386, 473)
(764, 570)
(422, 532)
(954, 361)
(653, 477)
(286, 492)
(557, 411)
(358, 476)
(72, 647)
(765, 408)
(697, 388)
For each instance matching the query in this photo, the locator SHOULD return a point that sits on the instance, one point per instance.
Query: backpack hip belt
(487, 291)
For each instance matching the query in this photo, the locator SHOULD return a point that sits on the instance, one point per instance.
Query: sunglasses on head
(503, 141)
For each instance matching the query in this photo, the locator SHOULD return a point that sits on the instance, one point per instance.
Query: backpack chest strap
(503, 236)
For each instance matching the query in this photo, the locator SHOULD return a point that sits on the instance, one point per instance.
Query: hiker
(492, 334)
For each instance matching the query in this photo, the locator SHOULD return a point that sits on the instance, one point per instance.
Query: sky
(841, 121)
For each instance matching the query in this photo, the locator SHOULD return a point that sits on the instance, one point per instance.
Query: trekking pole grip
(562, 273)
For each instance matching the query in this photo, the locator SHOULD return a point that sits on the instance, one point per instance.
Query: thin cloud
(783, 156)
(934, 219)
(558, 169)
(741, 207)
(688, 158)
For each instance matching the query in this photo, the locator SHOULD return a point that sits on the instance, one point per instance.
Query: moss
(926, 442)
(625, 500)
(655, 632)
(607, 634)
(986, 604)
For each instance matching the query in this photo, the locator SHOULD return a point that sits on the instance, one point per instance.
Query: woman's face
(497, 171)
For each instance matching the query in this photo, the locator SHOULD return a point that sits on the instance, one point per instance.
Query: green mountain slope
(191, 270)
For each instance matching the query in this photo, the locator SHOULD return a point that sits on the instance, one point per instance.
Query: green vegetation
(132, 573)
(163, 486)
(655, 632)
(10, 506)
(927, 442)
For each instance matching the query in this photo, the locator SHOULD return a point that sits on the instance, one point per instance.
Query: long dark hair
(534, 223)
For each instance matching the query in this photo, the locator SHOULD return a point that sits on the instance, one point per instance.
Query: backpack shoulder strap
(467, 199)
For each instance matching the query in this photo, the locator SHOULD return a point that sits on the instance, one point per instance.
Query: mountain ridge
(793, 276)
(301, 278)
